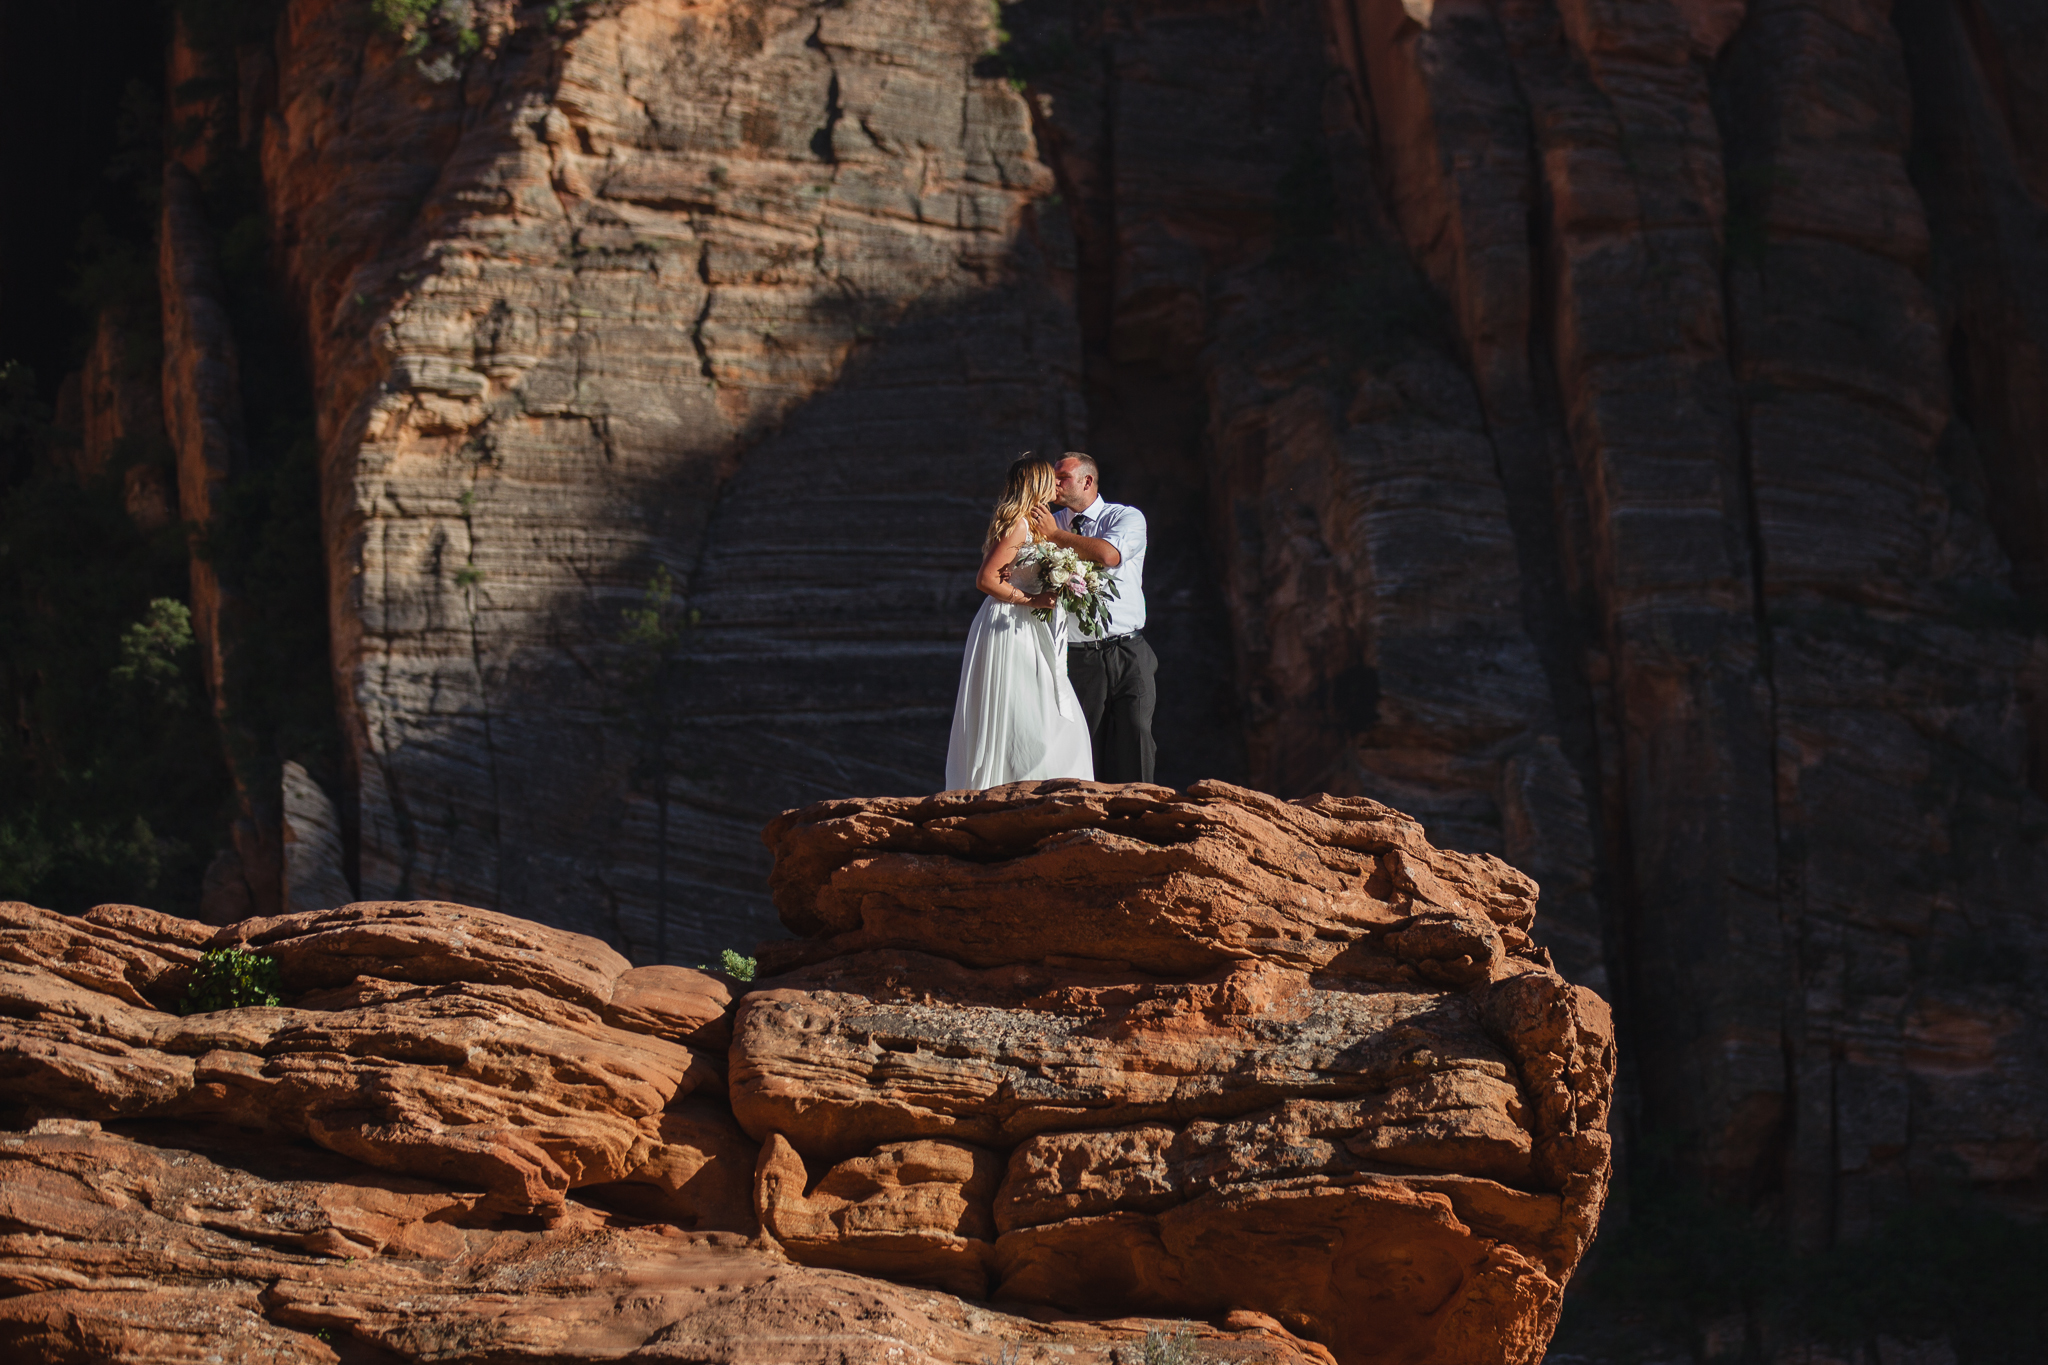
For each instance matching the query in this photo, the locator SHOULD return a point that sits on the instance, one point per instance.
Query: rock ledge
(1079, 1051)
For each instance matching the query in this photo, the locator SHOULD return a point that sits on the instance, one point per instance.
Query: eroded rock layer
(463, 1138)
(1214, 1052)
(1343, 1110)
(153, 1245)
(422, 1038)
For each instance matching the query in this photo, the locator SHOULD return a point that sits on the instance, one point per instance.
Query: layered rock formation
(749, 298)
(1189, 1052)
(150, 1246)
(1608, 432)
(1326, 1097)
(424, 1039)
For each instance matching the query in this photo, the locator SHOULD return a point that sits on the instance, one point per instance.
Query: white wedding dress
(1016, 717)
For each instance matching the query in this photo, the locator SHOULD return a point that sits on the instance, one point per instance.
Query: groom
(1112, 675)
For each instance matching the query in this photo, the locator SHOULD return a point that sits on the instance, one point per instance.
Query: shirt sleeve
(1125, 529)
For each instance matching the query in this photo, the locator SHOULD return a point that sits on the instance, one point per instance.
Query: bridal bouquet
(1081, 586)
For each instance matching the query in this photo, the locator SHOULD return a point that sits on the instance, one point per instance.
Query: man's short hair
(1086, 461)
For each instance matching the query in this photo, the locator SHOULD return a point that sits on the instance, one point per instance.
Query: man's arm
(1094, 548)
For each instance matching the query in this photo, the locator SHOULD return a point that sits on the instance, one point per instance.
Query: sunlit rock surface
(1344, 1111)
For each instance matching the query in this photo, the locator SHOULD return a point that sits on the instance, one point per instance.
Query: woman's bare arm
(1103, 552)
(990, 579)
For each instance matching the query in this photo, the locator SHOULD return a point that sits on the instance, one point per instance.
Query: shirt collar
(1093, 509)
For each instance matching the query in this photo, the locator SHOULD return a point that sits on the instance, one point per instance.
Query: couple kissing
(1056, 679)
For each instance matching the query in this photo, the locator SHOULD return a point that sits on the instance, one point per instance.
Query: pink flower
(1078, 586)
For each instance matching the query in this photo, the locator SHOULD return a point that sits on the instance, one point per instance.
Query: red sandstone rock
(121, 951)
(172, 1243)
(884, 1046)
(1329, 1081)
(675, 1003)
(1153, 878)
(699, 1177)
(430, 943)
(912, 1211)
(121, 418)
(1379, 1270)
(495, 1067)
(1331, 1094)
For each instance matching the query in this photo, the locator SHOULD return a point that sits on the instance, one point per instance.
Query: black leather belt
(1106, 640)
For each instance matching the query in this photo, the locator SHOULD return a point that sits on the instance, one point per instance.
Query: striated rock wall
(1609, 432)
(1669, 543)
(749, 297)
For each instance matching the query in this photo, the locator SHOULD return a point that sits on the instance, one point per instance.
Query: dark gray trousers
(1114, 681)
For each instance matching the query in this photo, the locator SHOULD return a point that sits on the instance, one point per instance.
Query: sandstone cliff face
(750, 296)
(1608, 432)
(1330, 1103)
(1652, 561)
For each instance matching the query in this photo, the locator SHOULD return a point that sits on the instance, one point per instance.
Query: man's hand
(1088, 547)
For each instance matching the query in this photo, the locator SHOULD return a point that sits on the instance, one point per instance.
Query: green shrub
(1174, 1348)
(232, 979)
(116, 789)
(399, 15)
(734, 965)
(150, 650)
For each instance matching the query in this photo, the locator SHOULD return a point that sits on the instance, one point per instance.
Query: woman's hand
(1045, 601)
(1042, 524)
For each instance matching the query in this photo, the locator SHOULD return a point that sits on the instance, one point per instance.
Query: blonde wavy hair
(1031, 483)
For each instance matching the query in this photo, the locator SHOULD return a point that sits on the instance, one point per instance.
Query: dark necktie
(1081, 526)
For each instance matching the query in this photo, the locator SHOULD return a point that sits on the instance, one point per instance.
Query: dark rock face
(1611, 433)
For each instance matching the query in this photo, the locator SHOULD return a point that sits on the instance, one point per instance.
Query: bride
(1016, 717)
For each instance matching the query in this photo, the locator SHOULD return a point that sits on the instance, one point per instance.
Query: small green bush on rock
(1175, 1348)
(734, 965)
(232, 979)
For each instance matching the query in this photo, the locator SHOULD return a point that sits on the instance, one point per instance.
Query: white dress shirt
(1123, 527)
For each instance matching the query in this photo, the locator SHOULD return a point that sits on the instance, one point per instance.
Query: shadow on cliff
(807, 645)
